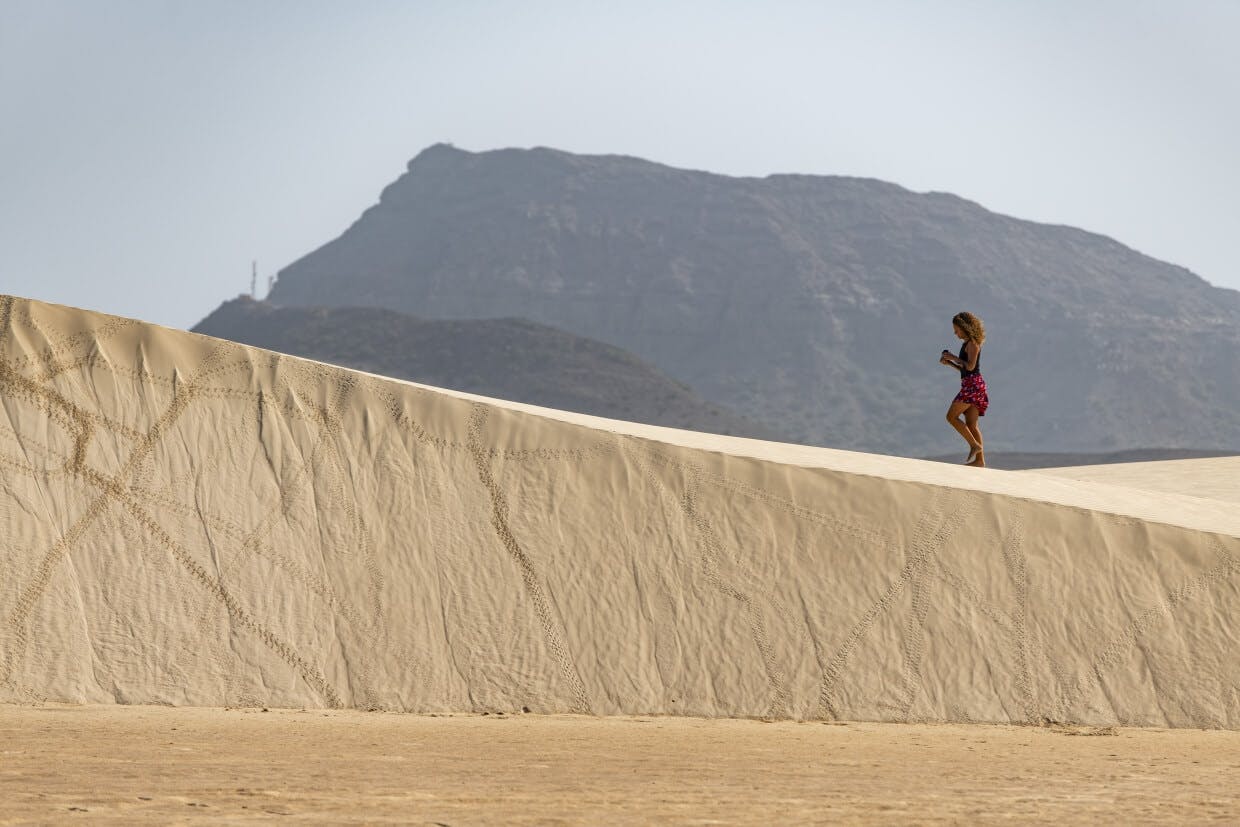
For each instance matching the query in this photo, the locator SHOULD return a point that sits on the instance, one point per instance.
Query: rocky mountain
(509, 359)
(817, 305)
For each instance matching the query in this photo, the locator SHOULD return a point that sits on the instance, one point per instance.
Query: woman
(972, 401)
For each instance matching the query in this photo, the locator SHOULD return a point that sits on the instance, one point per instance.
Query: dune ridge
(190, 521)
(1211, 478)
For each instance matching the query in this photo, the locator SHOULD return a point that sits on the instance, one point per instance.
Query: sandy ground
(139, 765)
(1214, 478)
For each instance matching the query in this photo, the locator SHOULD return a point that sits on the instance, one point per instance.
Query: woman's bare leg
(953, 419)
(971, 422)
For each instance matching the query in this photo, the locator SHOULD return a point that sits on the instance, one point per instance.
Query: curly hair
(971, 326)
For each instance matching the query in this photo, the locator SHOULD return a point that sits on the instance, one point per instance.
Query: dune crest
(190, 521)
(1213, 478)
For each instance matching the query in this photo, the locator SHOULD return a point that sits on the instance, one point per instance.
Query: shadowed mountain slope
(187, 520)
(505, 358)
(817, 305)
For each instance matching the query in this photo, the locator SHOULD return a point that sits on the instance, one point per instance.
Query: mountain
(509, 359)
(815, 304)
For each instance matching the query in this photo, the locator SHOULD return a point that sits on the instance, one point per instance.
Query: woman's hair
(971, 326)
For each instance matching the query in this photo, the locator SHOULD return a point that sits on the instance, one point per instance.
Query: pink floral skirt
(973, 391)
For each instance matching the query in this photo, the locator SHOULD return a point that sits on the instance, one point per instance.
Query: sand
(192, 522)
(145, 765)
(1211, 478)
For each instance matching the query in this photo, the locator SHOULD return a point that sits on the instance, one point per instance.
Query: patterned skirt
(973, 391)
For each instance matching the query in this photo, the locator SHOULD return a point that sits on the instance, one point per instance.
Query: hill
(816, 305)
(505, 358)
(1215, 478)
(186, 520)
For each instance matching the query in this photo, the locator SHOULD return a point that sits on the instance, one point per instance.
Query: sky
(150, 151)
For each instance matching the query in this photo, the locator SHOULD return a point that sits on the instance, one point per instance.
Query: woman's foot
(974, 453)
(979, 461)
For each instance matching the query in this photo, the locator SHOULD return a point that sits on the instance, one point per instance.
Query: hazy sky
(150, 150)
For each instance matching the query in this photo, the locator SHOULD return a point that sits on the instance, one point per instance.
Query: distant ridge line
(1025, 460)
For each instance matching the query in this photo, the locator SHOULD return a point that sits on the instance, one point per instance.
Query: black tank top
(965, 360)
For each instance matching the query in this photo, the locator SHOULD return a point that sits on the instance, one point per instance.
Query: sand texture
(193, 522)
(129, 765)
(1212, 478)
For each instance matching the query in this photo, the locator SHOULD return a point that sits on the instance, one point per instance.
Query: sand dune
(1214, 478)
(190, 521)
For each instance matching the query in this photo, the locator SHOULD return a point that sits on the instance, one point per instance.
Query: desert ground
(156, 765)
(1211, 478)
